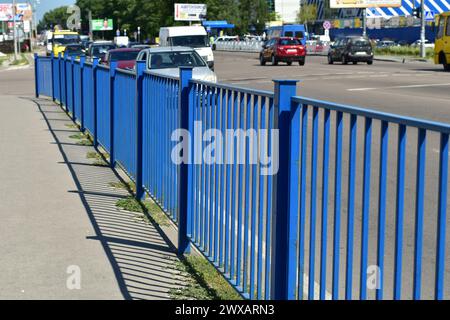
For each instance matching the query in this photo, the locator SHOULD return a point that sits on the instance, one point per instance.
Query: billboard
(23, 12)
(102, 25)
(338, 4)
(190, 11)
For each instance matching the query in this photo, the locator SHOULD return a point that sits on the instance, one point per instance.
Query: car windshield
(360, 42)
(66, 39)
(166, 60)
(102, 50)
(289, 42)
(190, 41)
(124, 55)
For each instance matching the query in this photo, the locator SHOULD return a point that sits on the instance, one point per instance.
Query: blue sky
(47, 5)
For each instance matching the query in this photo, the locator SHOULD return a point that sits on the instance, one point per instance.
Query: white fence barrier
(256, 46)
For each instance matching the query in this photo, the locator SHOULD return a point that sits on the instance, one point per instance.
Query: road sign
(102, 25)
(190, 12)
(327, 25)
(429, 15)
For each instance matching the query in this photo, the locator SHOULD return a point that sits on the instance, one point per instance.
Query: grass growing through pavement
(71, 126)
(146, 206)
(205, 282)
(123, 185)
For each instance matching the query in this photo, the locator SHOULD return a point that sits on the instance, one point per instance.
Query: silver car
(167, 60)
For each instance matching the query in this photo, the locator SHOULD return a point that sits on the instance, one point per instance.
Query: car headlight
(211, 78)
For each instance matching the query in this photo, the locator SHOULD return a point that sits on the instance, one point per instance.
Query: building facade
(287, 10)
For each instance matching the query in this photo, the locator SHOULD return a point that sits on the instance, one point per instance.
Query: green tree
(307, 13)
(53, 18)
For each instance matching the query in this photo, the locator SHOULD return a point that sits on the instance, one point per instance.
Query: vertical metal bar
(52, 59)
(301, 232)
(313, 204)
(442, 217)
(337, 205)
(234, 188)
(251, 189)
(246, 218)
(269, 120)
(36, 75)
(382, 206)
(420, 190)
(351, 207)
(366, 207)
(324, 231)
(223, 179)
(95, 93)
(82, 61)
(259, 203)
(228, 208)
(112, 76)
(140, 68)
(185, 177)
(399, 211)
(284, 242)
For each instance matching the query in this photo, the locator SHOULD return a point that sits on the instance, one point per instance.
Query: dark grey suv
(351, 49)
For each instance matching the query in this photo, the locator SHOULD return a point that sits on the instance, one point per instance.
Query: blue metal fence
(305, 231)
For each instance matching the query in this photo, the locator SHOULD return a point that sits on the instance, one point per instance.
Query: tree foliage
(307, 13)
(53, 18)
(150, 15)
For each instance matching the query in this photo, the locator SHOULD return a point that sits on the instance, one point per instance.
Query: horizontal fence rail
(288, 197)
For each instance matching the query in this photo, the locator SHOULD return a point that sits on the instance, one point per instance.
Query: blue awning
(218, 24)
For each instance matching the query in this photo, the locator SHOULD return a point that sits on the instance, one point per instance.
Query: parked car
(351, 49)
(167, 60)
(99, 49)
(386, 44)
(283, 50)
(417, 43)
(125, 57)
(74, 50)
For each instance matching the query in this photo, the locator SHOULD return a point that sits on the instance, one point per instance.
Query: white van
(189, 36)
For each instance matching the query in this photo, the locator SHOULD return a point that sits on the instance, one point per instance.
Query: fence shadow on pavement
(141, 256)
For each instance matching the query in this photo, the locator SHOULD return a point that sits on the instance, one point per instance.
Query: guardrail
(261, 231)
(245, 46)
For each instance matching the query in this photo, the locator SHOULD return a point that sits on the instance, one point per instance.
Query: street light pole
(15, 30)
(365, 22)
(422, 29)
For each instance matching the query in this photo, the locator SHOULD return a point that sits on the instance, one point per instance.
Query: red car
(283, 50)
(125, 57)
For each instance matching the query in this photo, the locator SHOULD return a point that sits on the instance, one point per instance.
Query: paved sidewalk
(57, 211)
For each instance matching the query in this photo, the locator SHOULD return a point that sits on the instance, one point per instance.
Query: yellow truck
(442, 43)
(61, 38)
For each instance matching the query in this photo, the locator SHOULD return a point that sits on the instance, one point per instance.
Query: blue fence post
(36, 75)
(52, 67)
(94, 77)
(284, 218)
(72, 68)
(140, 68)
(82, 61)
(185, 178)
(66, 98)
(112, 76)
(60, 80)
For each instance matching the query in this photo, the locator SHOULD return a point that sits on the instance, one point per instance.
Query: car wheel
(262, 61)
(330, 60)
(301, 62)
(370, 62)
(289, 63)
(274, 61)
(214, 47)
(445, 64)
(344, 59)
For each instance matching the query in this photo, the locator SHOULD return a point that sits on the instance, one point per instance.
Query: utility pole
(364, 22)
(15, 30)
(422, 29)
(91, 35)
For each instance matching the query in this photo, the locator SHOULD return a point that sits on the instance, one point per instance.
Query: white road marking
(403, 87)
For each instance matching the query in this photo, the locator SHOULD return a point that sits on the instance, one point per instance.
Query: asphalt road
(416, 89)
